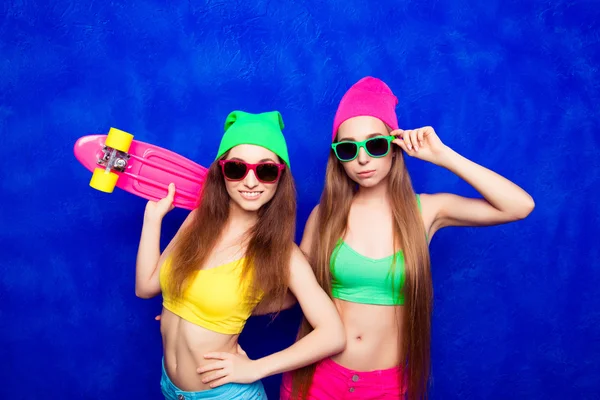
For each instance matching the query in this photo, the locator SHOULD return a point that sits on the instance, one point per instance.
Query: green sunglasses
(376, 147)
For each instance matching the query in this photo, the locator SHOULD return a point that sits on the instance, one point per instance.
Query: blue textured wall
(512, 86)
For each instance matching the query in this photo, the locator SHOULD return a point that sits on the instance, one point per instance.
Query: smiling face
(365, 170)
(251, 192)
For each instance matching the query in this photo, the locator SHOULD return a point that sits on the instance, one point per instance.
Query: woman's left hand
(422, 143)
(236, 368)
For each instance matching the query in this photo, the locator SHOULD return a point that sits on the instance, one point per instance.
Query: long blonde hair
(410, 235)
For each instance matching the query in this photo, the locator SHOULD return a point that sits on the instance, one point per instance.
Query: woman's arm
(327, 338)
(305, 246)
(503, 201)
(149, 259)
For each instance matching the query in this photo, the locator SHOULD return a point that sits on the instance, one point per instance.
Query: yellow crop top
(217, 299)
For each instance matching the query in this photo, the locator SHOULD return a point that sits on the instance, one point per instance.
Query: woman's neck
(240, 220)
(375, 195)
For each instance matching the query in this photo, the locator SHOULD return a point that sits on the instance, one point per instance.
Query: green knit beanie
(264, 129)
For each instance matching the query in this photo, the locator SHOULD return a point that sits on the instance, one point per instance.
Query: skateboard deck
(142, 169)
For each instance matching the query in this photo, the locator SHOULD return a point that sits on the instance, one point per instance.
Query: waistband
(371, 377)
(225, 392)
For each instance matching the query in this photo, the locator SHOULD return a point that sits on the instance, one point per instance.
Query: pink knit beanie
(367, 97)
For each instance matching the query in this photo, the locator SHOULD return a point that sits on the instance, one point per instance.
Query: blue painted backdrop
(513, 86)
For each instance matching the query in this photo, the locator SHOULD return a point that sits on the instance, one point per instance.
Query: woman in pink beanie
(368, 243)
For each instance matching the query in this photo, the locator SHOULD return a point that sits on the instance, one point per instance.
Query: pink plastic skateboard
(139, 168)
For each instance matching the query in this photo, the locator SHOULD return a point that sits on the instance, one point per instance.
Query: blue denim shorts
(229, 391)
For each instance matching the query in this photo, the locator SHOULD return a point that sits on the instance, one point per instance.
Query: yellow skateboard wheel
(118, 139)
(104, 181)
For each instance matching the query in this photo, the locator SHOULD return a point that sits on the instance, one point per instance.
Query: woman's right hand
(156, 210)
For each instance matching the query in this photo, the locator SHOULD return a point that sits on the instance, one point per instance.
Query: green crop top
(365, 280)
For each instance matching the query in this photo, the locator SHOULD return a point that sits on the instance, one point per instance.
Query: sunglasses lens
(378, 147)
(234, 170)
(267, 172)
(346, 151)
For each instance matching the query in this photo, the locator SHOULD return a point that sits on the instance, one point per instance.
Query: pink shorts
(335, 382)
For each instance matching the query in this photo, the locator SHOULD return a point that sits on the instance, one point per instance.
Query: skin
(372, 331)
(196, 358)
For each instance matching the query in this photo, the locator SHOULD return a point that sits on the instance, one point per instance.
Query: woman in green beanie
(232, 253)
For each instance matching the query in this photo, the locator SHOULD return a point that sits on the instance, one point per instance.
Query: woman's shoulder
(313, 216)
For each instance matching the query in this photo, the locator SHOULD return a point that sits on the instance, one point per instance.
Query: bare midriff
(373, 336)
(184, 346)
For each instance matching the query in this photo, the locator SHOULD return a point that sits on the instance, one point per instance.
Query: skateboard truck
(113, 159)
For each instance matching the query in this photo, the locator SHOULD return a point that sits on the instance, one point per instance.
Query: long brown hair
(410, 236)
(270, 240)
